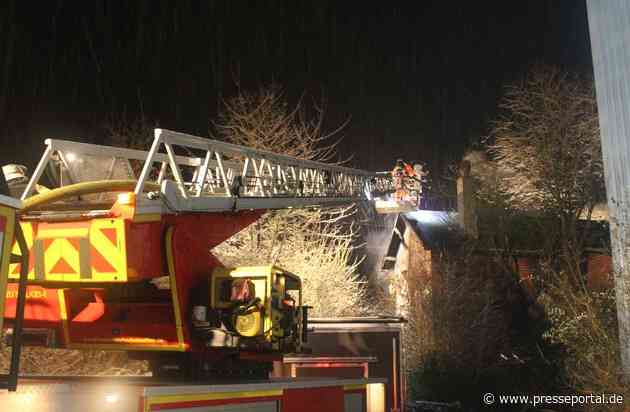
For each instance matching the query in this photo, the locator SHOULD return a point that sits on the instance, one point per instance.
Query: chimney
(466, 216)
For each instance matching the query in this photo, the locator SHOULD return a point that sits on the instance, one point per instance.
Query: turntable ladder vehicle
(118, 248)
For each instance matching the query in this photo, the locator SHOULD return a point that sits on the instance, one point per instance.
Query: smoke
(480, 166)
(378, 231)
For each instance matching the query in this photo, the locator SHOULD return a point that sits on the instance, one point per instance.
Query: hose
(84, 188)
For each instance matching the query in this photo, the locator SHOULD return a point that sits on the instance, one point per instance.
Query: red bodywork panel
(83, 319)
(42, 306)
(196, 234)
(329, 399)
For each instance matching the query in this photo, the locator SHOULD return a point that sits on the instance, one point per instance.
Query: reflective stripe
(88, 251)
(63, 313)
(84, 258)
(170, 347)
(174, 295)
(354, 387)
(147, 217)
(38, 256)
(152, 401)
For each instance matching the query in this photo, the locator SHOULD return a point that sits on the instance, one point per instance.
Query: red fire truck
(113, 247)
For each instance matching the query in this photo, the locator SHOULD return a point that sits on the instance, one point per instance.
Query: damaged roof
(435, 228)
(525, 233)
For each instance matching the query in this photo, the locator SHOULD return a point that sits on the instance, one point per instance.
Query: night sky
(418, 79)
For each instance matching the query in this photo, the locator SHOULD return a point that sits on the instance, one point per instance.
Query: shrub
(584, 322)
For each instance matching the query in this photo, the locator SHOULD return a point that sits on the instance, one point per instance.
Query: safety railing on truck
(10, 231)
(198, 174)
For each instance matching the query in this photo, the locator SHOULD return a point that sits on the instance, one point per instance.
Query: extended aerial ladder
(115, 219)
(222, 177)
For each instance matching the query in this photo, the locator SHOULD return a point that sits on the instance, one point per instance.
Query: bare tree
(131, 132)
(546, 145)
(316, 244)
(265, 120)
(545, 157)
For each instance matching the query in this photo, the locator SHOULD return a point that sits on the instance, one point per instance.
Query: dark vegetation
(536, 191)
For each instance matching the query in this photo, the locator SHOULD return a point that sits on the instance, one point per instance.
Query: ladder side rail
(258, 183)
(201, 177)
(361, 184)
(280, 180)
(18, 327)
(177, 173)
(311, 179)
(343, 182)
(246, 203)
(251, 181)
(288, 184)
(352, 184)
(162, 174)
(271, 179)
(315, 182)
(295, 180)
(112, 151)
(78, 149)
(194, 176)
(328, 189)
(148, 164)
(39, 171)
(337, 180)
(323, 177)
(268, 170)
(66, 164)
(338, 183)
(303, 176)
(255, 173)
(358, 185)
(266, 176)
(230, 174)
(200, 143)
(174, 162)
(276, 176)
(226, 184)
(213, 180)
(284, 181)
(349, 184)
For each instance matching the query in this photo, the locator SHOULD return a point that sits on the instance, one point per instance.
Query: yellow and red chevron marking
(86, 251)
(27, 230)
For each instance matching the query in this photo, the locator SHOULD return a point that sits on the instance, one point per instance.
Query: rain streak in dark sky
(415, 79)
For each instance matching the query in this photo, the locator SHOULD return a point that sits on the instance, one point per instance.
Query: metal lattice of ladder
(198, 174)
